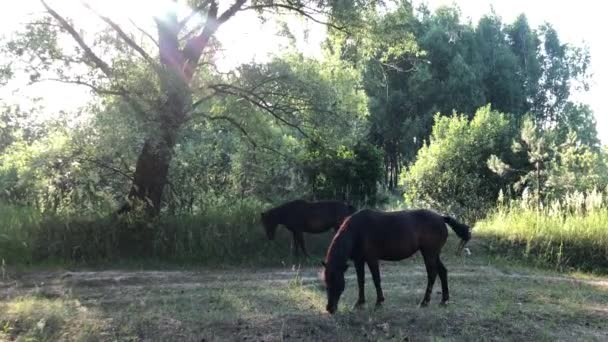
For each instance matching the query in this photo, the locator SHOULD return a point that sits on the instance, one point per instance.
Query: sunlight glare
(136, 10)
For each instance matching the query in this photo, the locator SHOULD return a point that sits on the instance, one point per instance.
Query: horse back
(398, 235)
(313, 216)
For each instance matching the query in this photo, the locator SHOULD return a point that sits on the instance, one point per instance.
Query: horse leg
(300, 240)
(443, 276)
(430, 261)
(294, 244)
(360, 268)
(375, 271)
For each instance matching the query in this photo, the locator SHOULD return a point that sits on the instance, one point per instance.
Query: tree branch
(255, 100)
(105, 166)
(194, 12)
(291, 8)
(144, 32)
(99, 63)
(201, 101)
(122, 34)
(234, 123)
(96, 89)
(244, 132)
(195, 46)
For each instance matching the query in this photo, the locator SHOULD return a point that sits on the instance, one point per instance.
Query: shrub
(450, 172)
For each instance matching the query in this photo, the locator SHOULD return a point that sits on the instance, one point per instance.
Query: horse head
(333, 276)
(269, 224)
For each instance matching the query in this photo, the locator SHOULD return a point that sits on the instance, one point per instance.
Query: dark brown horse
(369, 236)
(301, 216)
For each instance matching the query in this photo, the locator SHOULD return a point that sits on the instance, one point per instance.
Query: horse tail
(462, 230)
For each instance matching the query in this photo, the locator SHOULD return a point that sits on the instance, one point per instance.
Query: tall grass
(567, 233)
(223, 233)
(16, 226)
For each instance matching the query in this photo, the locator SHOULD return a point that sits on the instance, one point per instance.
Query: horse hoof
(359, 305)
(423, 304)
(444, 303)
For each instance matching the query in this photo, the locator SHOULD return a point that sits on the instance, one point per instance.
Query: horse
(301, 216)
(369, 236)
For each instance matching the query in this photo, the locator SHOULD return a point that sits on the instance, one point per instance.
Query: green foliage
(440, 63)
(237, 149)
(576, 168)
(16, 225)
(69, 169)
(566, 233)
(579, 119)
(352, 175)
(554, 167)
(448, 175)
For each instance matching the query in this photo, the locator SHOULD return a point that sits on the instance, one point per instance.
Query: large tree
(155, 76)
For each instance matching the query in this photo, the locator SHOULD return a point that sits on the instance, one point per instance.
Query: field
(491, 300)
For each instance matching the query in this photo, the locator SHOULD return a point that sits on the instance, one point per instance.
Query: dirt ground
(489, 301)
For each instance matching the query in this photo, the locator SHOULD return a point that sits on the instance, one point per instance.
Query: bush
(349, 174)
(450, 172)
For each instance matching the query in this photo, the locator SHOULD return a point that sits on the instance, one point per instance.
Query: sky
(578, 23)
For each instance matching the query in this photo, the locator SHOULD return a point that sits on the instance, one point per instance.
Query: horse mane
(341, 245)
(345, 224)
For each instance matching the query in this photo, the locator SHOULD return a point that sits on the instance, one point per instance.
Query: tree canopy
(167, 131)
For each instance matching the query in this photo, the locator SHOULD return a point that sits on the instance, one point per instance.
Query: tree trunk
(151, 173)
(152, 167)
(396, 166)
(386, 167)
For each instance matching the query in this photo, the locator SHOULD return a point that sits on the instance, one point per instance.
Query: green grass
(16, 226)
(558, 237)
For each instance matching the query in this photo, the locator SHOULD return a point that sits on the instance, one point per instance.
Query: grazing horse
(369, 236)
(301, 216)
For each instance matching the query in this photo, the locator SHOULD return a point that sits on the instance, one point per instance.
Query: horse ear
(323, 263)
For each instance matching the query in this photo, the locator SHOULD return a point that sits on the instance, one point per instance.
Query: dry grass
(490, 301)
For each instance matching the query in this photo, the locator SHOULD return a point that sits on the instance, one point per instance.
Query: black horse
(301, 216)
(369, 236)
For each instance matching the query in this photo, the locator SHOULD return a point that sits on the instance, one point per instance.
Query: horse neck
(341, 247)
(276, 215)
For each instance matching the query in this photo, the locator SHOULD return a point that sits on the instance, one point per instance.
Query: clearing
(491, 300)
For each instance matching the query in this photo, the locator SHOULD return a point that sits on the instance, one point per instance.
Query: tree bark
(151, 171)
